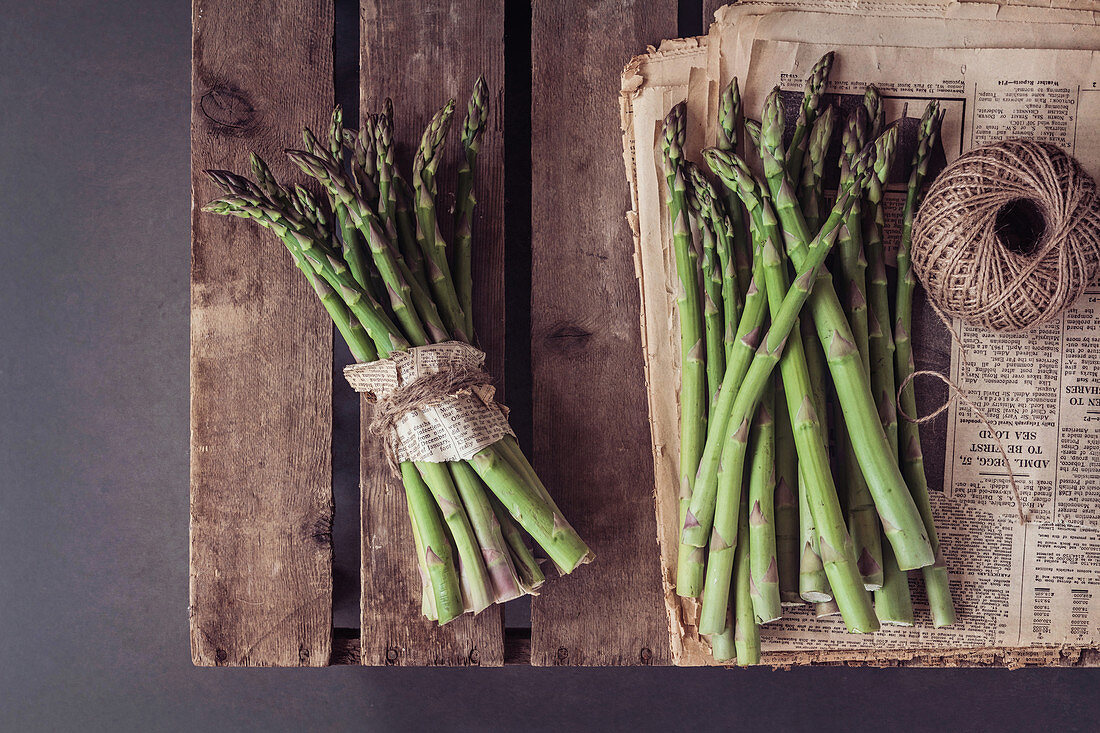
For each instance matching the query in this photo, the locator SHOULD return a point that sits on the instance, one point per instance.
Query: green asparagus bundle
(762, 524)
(372, 248)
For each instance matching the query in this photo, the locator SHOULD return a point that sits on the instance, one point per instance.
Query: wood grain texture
(421, 55)
(591, 435)
(261, 351)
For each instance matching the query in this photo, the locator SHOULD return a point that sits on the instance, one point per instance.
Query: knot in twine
(424, 391)
(1008, 235)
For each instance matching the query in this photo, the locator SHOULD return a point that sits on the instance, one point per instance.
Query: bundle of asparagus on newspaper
(371, 246)
(763, 521)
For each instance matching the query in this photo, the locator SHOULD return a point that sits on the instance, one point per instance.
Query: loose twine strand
(955, 392)
(969, 269)
(424, 391)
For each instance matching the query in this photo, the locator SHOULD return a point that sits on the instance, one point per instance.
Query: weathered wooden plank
(591, 435)
(421, 55)
(261, 351)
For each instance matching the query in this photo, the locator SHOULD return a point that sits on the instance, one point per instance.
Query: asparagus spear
(727, 537)
(509, 447)
(713, 210)
(862, 518)
(547, 527)
(360, 345)
(813, 584)
(365, 161)
(786, 502)
(400, 226)
(876, 111)
(384, 163)
(912, 461)
(900, 518)
(729, 122)
(893, 605)
(477, 114)
(810, 191)
(892, 602)
(403, 216)
(693, 397)
(428, 235)
(763, 566)
(530, 574)
(503, 576)
(746, 634)
(707, 253)
(722, 646)
(729, 114)
(476, 584)
(438, 562)
(807, 114)
(427, 596)
(880, 343)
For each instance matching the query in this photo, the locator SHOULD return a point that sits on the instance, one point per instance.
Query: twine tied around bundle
(424, 391)
(1008, 235)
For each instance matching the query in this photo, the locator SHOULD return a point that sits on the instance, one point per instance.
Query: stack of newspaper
(1025, 593)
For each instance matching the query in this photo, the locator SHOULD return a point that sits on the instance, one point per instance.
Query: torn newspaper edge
(444, 426)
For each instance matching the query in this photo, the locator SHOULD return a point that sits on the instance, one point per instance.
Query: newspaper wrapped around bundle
(434, 403)
(1025, 594)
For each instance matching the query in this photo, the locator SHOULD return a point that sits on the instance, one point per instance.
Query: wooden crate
(261, 346)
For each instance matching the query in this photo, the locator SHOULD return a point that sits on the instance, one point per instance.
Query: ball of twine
(1008, 235)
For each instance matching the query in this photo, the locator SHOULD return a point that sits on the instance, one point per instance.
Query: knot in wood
(568, 338)
(227, 107)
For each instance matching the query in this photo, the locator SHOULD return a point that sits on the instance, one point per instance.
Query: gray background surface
(94, 206)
